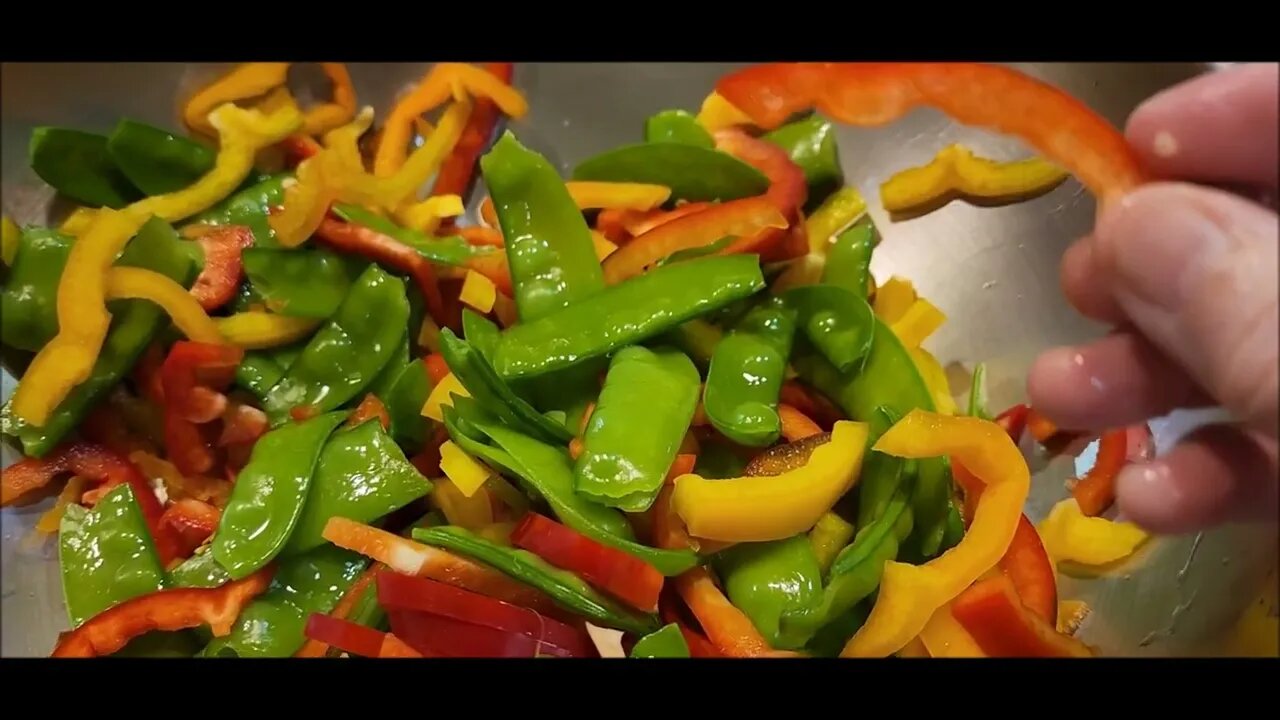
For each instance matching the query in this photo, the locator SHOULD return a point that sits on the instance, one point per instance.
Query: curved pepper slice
(255, 330)
(1062, 128)
(192, 522)
(327, 116)
(1070, 535)
(216, 284)
(182, 307)
(921, 320)
(787, 191)
(909, 594)
(319, 181)
(718, 113)
(997, 620)
(956, 169)
(458, 169)
(371, 244)
(165, 610)
(755, 509)
(1097, 489)
(191, 376)
(247, 80)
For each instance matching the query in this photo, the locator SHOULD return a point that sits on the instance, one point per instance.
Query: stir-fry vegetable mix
(313, 410)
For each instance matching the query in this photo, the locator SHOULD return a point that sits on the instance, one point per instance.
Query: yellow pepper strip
(254, 330)
(920, 321)
(184, 310)
(425, 216)
(914, 649)
(604, 247)
(935, 378)
(498, 533)
(618, 195)
(467, 473)
(478, 292)
(247, 80)
(472, 512)
(67, 359)
(828, 537)
(326, 116)
(717, 113)
(956, 169)
(1071, 613)
(836, 213)
(442, 394)
(426, 160)
(50, 521)
(910, 594)
(318, 182)
(1071, 536)
(894, 299)
(757, 509)
(9, 236)
(423, 127)
(429, 334)
(944, 637)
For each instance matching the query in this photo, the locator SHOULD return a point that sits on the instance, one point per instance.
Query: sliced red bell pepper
(423, 596)
(682, 465)
(1003, 627)
(612, 223)
(787, 190)
(642, 222)
(394, 647)
(177, 609)
(242, 424)
(455, 174)
(146, 374)
(193, 374)
(1014, 421)
(1041, 428)
(1097, 489)
(192, 522)
(441, 636)
(620, 574)
(699, 645)
(217, 282)
(94, 463)
(298, 148)
(373, 245)
(1057, 125)
(349, 637)
(370, 407)
(437, 368)
(302, 413)
(187, 446)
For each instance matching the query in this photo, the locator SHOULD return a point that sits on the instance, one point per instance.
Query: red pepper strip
(620, 574)
(186, 445)
(812, 404)
(146, 374)
(325, 631)
(394, 647)
(699, 645)
(217, 282)
(242, 424)
(437, 368)
(440, 636)
(168, 610)
(643, 222)
(682, 465)
(1041, 428)
(1025, 563)
(992, 613)
(373, 245)
(370, 407)
(191, 522)
(1060, 127)
(318, 648)
(103, 427)
(1097, 489)
(1014, 421)
(795, 424)
(302, 413)
(423, 596)
(612, 222)
(192, 375)
(456, 172)
(787, 190)
(477, 235)
(298, 148)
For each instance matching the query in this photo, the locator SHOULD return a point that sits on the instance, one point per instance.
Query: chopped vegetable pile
(292, 401)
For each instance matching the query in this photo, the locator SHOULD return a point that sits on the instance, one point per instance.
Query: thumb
(1194, 270)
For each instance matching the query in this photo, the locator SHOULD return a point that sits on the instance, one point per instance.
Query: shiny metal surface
(992, 270)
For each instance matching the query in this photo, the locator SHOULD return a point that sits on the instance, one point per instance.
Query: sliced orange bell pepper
(1097, 489)
(997, 620)
(455, 174)
(247, 80)
(326, 116)
(795, 424)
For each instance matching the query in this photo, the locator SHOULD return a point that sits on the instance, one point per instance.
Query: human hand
(1187, 273)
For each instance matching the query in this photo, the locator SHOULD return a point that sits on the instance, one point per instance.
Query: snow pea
(249, 207)
(77, 164)
(811, 143)
(741, 395)
(347, 353)
(28, 298)
(481, 332)
(273, 624)
(106, 555)
(404, 400)
(768, 579)
(625, 314)
(567, 590)
(156, 161)
(269, 495)
(698, 338)
(832, 637)
(665, 643)
(449, 250)
(260, 370)
(199, 571)
(839, 323)
(693, 173)
(848, 262)
(881, 473)
(677, 126)
(977, 406)
(134, 324)
(307, 282)
(361, 475)
(381, 384)
(644, 410)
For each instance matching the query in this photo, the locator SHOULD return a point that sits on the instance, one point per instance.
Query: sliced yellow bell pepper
(893, 299)
(471, 512)
(425, 216)
(429, 334)
(836, 213)
(9, 237)
(913, 649)
(255, 330)
(920, 321)
(935, 378)
(956, 168)
(1071, 536)
(757, 509)
(318, 182)
(618, 195)
(604, 247)
(1070, 614)
(467, 473)
(51, 520)
(717, 113)
(441, 395)
(944, 637)
(478, 292)
(828, 537)
(183, 309)
(910, 594)
(247, 80)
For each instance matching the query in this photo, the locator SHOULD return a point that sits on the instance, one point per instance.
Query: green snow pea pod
(106, 555)
(693, 173)
(881, 473)
(404, 400)
(665, 643)
(382, 382)
(134, 324)
(157, 161)
(199, 571)
(698, 338)
(249, 207)
(567, 590)
(978, 393)
(348, 352)
(273, 624)
(28, 295)
(626, 314)
(77, 164)
(811, 143)
(767, 579)
(260, 370)
(746, 373)
(481, 332)
(269, 495)
(361, 475)
(832, 637)
(849, 259)
(307, 282)
(646, 406)
(677, 126)
(839, 323)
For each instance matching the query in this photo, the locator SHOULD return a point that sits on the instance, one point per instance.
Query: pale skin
(1187, 273)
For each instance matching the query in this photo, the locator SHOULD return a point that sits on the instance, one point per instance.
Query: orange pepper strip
(326, 116)
(1040, 427)
(795, 424)
(247, 80)
(1097, 489)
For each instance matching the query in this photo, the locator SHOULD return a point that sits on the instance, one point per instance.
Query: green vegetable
(269, 494)
(161, 645)
(811, 143)
(566, 589)
(718, 460)
(767, 579)
(249, 207)
(677, 126)
(28, 298)
(839, 323)
(711, 248)
(157, 161)
(106, 555)
(381, 384)
(273, 624)
(881, 474)
(301, 282)
(404, 401)
(346, 354)
(665, 643)
(260, 370)
(646, 406)
(625, 314)
(978, 393)
(848, 262)
(451, 250)
(832, 637)
(747, 369)
(693, 173)
(361, 475)
(77, 164)
(698, 339)
(199, 571)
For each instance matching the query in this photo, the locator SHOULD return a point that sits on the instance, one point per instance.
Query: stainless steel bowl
(994, 271)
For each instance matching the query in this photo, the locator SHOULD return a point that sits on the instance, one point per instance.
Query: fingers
(1218, 127)
(1084, 287)
(1217, 474)
(1116, 381)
